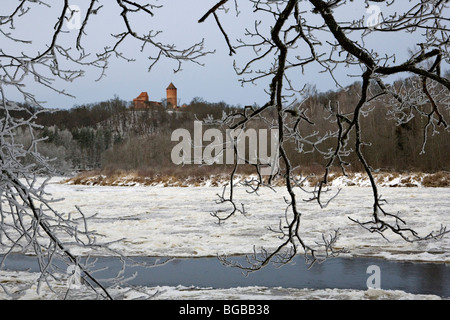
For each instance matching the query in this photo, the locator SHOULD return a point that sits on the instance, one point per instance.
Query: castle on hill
(142, 102)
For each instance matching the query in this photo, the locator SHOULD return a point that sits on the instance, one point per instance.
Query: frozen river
(158, 221)
(176, 222)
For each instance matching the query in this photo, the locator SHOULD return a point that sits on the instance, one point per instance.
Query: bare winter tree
(287, 38)
(291, 36)
(29, 224)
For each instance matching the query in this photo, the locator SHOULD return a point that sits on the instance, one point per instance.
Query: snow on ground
(12, 280)
(383, 179)
(176, 221)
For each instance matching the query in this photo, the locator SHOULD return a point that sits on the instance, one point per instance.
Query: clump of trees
(406, 144)
(73, 140)
(110, 136)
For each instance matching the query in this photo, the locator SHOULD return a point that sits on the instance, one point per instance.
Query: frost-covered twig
(333, 43)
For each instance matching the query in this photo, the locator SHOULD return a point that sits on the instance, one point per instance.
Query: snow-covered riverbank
(383, 179)
(13, 280)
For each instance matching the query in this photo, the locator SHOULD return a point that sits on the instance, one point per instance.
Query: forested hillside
(111, 136)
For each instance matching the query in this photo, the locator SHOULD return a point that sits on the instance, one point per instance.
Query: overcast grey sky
(216, 81)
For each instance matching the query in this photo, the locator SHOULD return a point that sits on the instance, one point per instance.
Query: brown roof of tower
(171, 86)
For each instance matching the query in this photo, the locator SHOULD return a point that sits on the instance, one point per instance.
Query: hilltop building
(142, 101)
(171, 93)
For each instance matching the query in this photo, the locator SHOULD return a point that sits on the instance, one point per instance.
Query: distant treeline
(110, 136)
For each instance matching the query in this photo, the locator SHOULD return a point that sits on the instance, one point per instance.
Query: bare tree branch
(290, 26)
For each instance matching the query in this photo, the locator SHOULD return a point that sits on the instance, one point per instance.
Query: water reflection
(339, 273)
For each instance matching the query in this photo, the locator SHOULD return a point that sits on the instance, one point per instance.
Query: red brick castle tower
(172, 99)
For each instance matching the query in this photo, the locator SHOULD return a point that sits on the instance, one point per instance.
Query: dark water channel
(339, 273)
